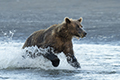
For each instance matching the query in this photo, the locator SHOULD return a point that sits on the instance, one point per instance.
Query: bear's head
(73, 28)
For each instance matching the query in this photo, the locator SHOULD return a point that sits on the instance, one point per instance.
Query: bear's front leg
(73, 61)
(52, 57)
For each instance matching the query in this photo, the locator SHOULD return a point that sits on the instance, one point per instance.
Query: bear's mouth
(77, 37)
(80, 35)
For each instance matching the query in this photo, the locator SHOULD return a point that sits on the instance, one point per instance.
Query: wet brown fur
(58, 36)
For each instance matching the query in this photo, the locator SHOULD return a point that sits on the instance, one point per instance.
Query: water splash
(8, 35)
(11, 56)
(90, 56)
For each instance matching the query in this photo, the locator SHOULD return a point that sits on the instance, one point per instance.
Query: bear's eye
(77, 26)
(81, 26)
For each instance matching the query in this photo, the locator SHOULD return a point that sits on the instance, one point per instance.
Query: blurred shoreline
(101, 19)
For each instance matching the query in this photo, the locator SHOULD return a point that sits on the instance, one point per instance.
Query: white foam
(91, 55)
(11, 57)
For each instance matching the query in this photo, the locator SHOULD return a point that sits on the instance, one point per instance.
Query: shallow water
(98, 53)
(97, 62)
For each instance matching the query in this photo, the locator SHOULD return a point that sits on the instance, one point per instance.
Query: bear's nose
(85, 33)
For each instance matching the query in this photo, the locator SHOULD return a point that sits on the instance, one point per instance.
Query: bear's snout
(85, 34)
(82, 34)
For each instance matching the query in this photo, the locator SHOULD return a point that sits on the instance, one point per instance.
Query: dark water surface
(98, 53)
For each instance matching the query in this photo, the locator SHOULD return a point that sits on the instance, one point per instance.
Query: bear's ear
(67, 20)
(80, 20)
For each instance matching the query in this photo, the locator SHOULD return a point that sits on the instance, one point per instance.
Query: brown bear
(59, 38)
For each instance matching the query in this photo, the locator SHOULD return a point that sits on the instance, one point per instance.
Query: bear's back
(38, 36)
